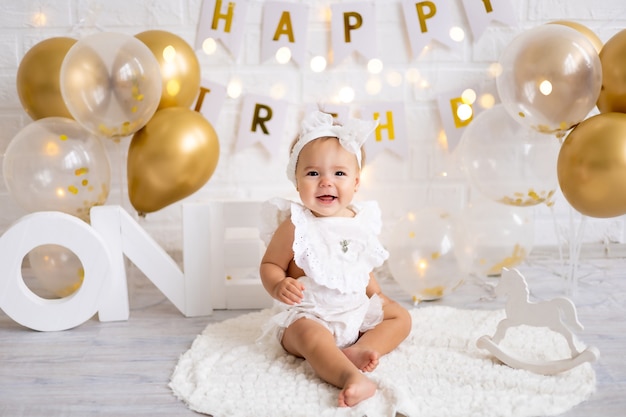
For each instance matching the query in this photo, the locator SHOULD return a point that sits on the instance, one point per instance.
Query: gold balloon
(592, 166)
(613, 60)
(593, 38)
(180, 69)
(38, 84)
(170, 158)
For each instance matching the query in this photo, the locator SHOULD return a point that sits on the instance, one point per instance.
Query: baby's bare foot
(364, 359)
(356, 390)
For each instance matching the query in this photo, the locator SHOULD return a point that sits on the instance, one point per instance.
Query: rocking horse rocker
(558, 314)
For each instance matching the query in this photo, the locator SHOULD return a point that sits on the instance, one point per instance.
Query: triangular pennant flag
(262, 120)
(391, 132)
(284, 25)
(457, 109)
(224, 21)
(353, 29)
(210, 100)
(427, 21)
(481, 13)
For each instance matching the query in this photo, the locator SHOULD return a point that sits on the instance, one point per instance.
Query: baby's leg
(383, 338)
(362, 357)
(312, 341)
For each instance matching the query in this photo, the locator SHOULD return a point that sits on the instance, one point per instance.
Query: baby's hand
(289, 291)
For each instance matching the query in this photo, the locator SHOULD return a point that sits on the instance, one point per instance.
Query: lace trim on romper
(337, 251)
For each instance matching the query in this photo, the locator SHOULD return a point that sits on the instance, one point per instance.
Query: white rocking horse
(558, 314)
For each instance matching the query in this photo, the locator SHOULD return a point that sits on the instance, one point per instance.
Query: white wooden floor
(123, 368)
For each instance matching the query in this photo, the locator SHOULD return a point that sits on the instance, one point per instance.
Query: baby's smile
(326, 198)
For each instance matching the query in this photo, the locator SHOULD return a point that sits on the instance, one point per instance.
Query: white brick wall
(250, 174)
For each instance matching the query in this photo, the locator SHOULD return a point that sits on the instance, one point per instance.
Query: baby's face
(327, 177)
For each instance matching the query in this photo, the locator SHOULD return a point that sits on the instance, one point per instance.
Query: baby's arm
(274, 266)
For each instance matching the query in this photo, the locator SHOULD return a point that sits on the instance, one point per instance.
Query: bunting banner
(284, 25)
(224, 21)
(353, 25)
(481, 13)
(391, 132)
(262, 120)
(353, 29)
(210, 100)
(428, 21)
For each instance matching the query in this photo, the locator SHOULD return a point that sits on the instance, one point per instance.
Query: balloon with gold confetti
(55, 164)
(508, 162)
(551, 78)
(491, 236)
(421, 254)
(111, 84)
(58, 271)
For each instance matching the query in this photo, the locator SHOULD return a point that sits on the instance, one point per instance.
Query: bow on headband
(317, 124)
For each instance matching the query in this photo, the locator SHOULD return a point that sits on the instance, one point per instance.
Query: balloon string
(575, 246)
(559, 242)
(120, 171)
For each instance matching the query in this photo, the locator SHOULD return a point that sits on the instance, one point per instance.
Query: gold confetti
(63, 137)
(518, 255)
(72, 189)
(533, 198)
(436, 291)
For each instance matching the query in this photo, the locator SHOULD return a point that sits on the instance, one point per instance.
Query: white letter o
(43, 228)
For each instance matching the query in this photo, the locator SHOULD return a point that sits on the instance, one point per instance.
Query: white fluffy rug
(437, 371)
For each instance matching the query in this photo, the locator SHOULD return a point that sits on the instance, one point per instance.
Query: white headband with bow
(317, 124)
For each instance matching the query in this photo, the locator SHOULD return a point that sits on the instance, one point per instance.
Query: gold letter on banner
(488, 7)
(200, 100)
(388, 126)
(454, 104)
(347, 27)
(228, 16)
(390, 134)
(259, 120)
(422, 16)
(284, 28)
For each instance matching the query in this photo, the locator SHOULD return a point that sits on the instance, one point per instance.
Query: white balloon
(551, 78)
(489, 236)
(421, 254)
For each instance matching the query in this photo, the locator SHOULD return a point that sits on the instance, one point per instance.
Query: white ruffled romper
(336, 254)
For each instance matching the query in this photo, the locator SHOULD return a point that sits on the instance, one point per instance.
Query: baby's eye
(312, 174)
(340, 173)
